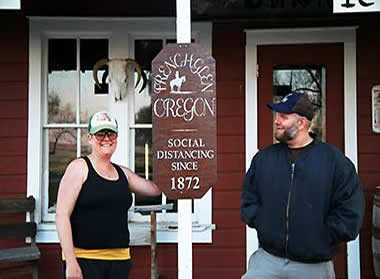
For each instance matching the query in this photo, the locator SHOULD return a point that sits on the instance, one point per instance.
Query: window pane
(143, 163)
(91, 50)
(62, 150)
(144, 113)
(306, 79)
(85, 147)
(145, 51)
(62, 83)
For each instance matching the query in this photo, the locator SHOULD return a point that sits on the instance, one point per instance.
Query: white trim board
(345, 35)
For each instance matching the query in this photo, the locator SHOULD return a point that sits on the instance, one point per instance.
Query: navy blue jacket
(302, 211)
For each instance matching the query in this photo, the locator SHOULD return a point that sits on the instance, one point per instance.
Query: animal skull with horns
(119, 70)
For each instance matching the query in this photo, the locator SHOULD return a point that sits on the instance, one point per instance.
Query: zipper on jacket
(288, 207)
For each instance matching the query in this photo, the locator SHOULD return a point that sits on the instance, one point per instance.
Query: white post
(185, 251)
(183, 22)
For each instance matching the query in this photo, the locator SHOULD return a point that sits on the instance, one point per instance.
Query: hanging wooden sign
(184, 121)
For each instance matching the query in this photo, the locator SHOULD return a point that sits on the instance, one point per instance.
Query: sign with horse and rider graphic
(184, 121)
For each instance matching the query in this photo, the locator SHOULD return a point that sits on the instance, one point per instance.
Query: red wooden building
(261, 48)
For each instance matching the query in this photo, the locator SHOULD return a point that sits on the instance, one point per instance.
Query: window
(70, 103)
(62, 96)
(305, 79)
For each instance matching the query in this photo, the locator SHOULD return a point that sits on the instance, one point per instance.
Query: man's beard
(288, 134)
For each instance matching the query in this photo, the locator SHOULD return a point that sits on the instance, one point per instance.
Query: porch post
(185, 253)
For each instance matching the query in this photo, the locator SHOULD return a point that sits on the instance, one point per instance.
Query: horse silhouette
(177, 83)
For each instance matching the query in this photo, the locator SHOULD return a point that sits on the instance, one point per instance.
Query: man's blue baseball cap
(294, 103)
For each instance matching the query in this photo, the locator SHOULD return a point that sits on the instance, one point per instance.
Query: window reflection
(91, 50)
(85, 147)
(61, 80)
(305, 79)
(145, 51)
(143, 163)
(62, 150)
(68, 83)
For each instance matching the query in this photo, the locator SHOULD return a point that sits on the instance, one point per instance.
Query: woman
(92, 207)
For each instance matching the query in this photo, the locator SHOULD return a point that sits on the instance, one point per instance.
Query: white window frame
(120, 32)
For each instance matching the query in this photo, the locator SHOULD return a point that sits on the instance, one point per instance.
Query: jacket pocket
(310, 243)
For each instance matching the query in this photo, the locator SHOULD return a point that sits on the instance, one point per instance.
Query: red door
(317, 61)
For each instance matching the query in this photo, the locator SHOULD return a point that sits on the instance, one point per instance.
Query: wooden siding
(368, 71)
(229, 238)
(13, 104)
(13, 122)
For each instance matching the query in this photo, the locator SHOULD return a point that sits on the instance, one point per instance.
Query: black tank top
(100, 216)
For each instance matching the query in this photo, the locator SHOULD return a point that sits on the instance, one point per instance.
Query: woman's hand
(73, 270)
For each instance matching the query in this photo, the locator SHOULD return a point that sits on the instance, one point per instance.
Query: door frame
(345, 35)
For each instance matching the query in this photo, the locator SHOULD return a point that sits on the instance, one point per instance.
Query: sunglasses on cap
(101, 135)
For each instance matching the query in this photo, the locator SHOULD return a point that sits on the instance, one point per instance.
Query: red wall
(13, 113)
(13, 104)
(368, 69)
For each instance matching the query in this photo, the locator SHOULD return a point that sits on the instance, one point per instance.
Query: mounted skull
(119, 71)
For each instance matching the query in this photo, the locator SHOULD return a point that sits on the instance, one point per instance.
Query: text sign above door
(356, 6)
(184, 121)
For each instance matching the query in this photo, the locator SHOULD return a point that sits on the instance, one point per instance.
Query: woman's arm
(140, 185)
(69, 188)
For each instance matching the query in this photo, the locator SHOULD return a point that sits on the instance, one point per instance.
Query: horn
(104, 76)
(144, 81)
(140, 73)
(95, 69)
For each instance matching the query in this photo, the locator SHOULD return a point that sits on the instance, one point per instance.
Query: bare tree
(59, 114)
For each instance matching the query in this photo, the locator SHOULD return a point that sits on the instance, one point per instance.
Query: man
(302, 196)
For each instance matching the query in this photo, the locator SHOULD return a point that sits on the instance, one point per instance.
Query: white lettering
(186, 143)
(186, 166)
(186, 154)
(177, 61)
(159, 113)
(184, 108)
(181, 183)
